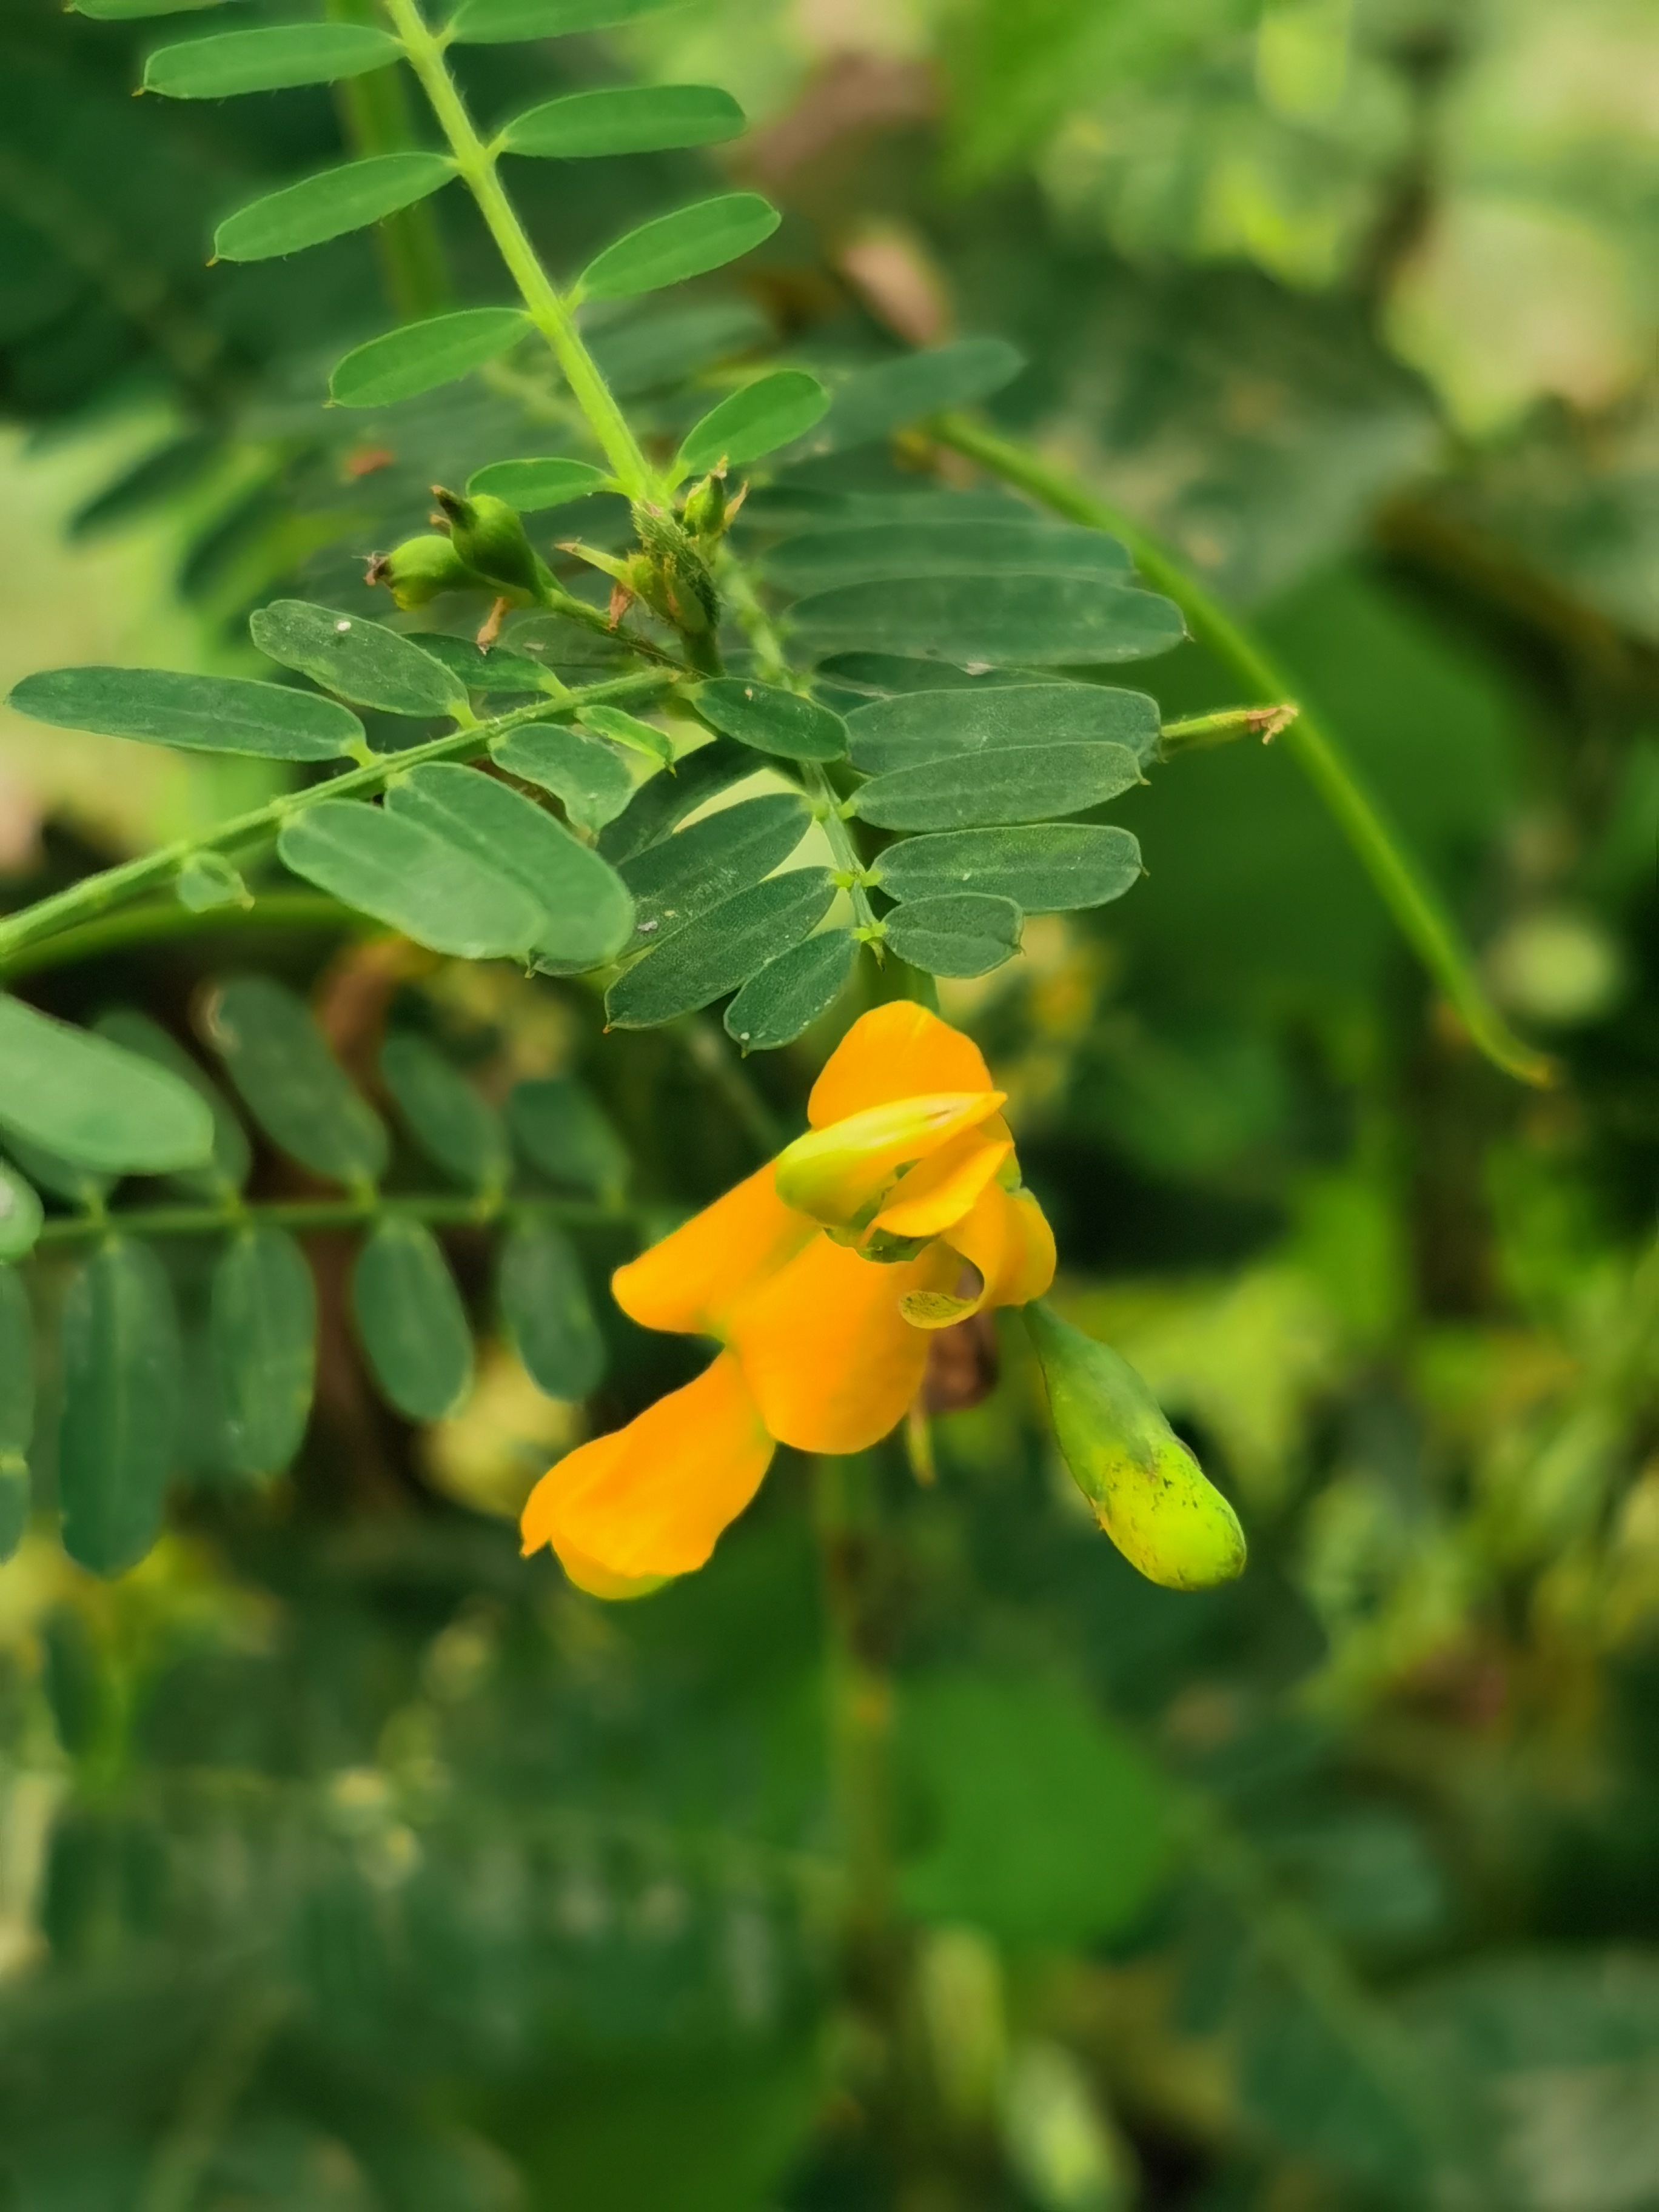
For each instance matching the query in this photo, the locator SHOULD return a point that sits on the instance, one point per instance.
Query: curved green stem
(162, 920)
(552, 317)
(1416, 907)
(94, 894)
(374, 110)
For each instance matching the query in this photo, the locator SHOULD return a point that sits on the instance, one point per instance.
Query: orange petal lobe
(942, 1189)
(649, 1501)
(1007, 1237)
(689, 1281)
(832, 1362)
(896, 1051)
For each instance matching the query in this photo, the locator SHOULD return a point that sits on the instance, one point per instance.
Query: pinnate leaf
(233, 1156)
(378, 860)
(533, 485)
(1031, 621)
(764, 416)
(772, 720)
(721, 950)
(957, 547)
(1049, 868)
(419, 356)
(687, 243)
(959, 933)
(503, 22)
(585, 914)
(876, 401)
(907, 730)
(638, 119)
(330, 204)
(585, 773)
(411, 1321)
(290, 1082)
(549, 1316)
(1006, 783)
(563, 1131)
(264, 1333)
(361, 660)
(93, 1104)
(194, 714)
(451, 1123)
(123, 1381)
(269, 59)
(697, 868)
(790, 993)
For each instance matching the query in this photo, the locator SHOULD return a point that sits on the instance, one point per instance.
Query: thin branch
(440, 1210)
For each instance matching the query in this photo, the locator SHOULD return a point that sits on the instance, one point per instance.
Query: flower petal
(690, 1280)
(943, 1188)
(900, 1050)
(648, 1501)
(832, 1362)
(1007, 1237)
(836, 1173)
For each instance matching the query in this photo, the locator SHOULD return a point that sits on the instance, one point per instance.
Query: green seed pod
(489, 536)
(1148, 1492)
(420, 569)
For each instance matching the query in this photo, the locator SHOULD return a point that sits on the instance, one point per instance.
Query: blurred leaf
(1039, 1822)
(962, 546)
(1011, 783)
(265, 1343)
(643, 118)
(672, 247)
(708, 958)
(1046, 869)
(960, 934)
(663, 343)
(291, 1083)
(753, 422)
(20, 1215)
(267, 60)
(123, 1379)
(452, 1123)
(533, 485)
(547, 1312)
(385, 862)
(420, 356)
(561, 1129)
(208, 880)
(233, 1156)
(874, 402)
(914, 727)
(583, 772)
(786, 996)
(586, 913)
(772, 720)
(1025, 620)
(330, 204)
(359, 659)
(49, 1170)
(195, 713)
(92, 1103)
(625, 729)
(16, 1408)
(411, 1321)
(684, 875)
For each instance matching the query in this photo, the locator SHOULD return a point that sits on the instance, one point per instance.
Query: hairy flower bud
(489, 536)
(421, 568)
(1148, 1492)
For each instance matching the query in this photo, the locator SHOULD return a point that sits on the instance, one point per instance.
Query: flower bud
(420, 569)
(838, 1174)
(705, 510)
(681, 586)
(1148, 1492)
(489, 536)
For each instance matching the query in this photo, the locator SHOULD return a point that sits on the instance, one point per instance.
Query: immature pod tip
(1148, 1491)
(489, 536)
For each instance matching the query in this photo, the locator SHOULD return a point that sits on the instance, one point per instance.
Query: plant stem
(167, 918)
(374, 114)
(445, 1209)
(1416, 907)
(94, 894)
(475, 164)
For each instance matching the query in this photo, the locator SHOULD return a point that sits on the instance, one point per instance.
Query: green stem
(475, 163)
(165, 919)
(94, 894)
(1416, 907)
(444, 1210)
(376, 117)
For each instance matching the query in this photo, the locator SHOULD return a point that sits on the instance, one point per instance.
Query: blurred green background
(350, 1863)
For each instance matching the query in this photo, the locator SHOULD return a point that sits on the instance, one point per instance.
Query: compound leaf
(723, 949)
(772, 720)
(503, 22)
(533, 485)
(639, 119)
(361, 660)
(959, 933)
(547, 1311)
(452, 1123)
(419, 356)
(269, 60)
(411, 1321)
(789, 993)
(964, 547)
(264, 1333)
(1049, 868)
(904, 732)
(381, 862)
(686, 875)
(585, 773)
(290, 1082)
(687, 243)
(769, 413)
(330, 204)
(1031, 621)
(93, 1104)
(193, 714)
(562, 1130)
(876, 401)
(123, 1381)
(1005, 783)
(233, 1156)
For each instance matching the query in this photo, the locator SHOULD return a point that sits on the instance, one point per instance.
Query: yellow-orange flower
(899, 1211)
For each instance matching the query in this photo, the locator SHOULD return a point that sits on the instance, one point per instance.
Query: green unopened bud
(420, 569)
(705, 510)
(489, 536)
(1148, 1492)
